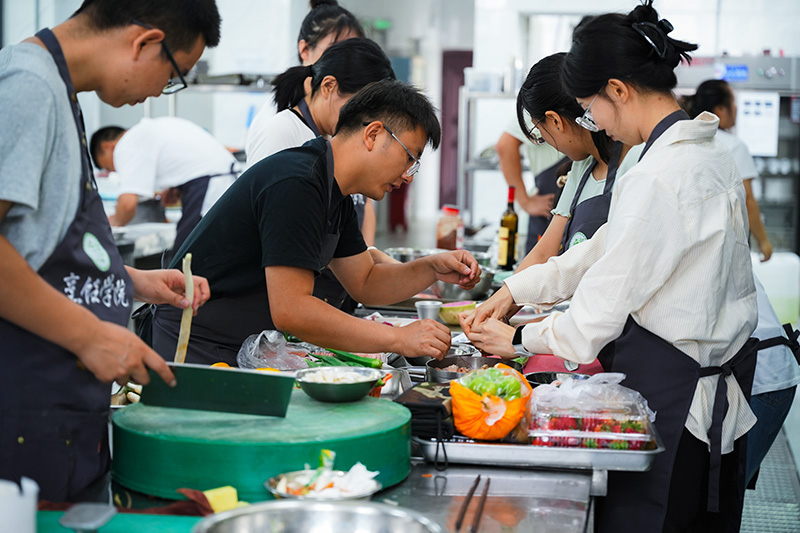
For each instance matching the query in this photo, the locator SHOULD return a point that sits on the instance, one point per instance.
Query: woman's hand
(168, 287)
(493, 337)
(497, 307)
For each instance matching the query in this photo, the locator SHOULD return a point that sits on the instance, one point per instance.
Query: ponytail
(290, 86)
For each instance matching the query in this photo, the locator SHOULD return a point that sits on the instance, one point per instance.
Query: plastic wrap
(270, 349)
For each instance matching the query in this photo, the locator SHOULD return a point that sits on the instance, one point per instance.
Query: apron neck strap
(306, 112)
(663, 126)
(613, 165)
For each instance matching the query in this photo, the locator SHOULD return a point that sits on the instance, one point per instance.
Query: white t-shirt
(271, 133)
(741, 155)
(164, 152)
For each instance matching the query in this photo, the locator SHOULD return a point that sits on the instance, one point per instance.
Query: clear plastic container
(450, 229)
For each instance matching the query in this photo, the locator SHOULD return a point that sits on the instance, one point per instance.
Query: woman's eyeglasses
(586, 121)
(535, 136)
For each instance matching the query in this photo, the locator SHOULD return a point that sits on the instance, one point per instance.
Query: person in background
(543, 162)
(664, 288)
(289, 216)
(343, 69)
(167, 155)
(65, 296)
(327, 23)
(716, 96)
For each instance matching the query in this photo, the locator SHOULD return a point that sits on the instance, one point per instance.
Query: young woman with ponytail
(664, 291)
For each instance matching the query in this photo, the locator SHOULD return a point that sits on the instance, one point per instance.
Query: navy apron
(326, 286)
(587, 217)
(53, 412)
(193, 194)
(666, 378)
(545, 182)
(223, 324)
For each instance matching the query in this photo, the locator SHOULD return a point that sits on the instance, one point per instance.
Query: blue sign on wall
(736, 73)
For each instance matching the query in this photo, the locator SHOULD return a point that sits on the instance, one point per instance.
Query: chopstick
(479, 513)
(463, 510)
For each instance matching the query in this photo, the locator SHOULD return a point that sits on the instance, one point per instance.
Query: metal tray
(467, 451)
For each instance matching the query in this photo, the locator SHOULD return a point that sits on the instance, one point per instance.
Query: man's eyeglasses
(586, 120)
(415, 165)
(175, 84)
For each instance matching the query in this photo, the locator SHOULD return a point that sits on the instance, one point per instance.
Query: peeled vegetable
(449, 312)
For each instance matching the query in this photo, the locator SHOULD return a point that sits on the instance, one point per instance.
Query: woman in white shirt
(667, 280)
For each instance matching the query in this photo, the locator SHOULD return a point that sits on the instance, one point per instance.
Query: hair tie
(662, 28)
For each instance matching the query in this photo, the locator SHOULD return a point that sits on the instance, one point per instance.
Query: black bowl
(545, 378)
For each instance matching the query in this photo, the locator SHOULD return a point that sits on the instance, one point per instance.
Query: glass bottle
(507, 249)
(450, 229)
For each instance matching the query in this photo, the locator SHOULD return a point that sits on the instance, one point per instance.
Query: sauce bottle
(507, 249)
(450, 229)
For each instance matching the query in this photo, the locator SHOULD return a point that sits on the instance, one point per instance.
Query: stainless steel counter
(518, 500)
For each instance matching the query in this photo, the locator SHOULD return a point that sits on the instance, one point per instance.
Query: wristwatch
(516, 342)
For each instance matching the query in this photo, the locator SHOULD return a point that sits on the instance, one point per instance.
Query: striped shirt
(674, 255)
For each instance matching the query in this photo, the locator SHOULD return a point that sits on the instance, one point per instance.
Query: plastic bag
(270, 349)
(497, 409)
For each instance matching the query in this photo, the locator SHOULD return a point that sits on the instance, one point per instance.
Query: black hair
(182, 21)
(543, 91)
(633, 48)
(326, 17)
(107, 133)
(353, 62)
(709, 94)
(398, 105)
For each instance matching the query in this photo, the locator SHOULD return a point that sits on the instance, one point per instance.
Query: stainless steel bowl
(465, 350)
(544, 378)
(449, 291)
(304, 516)
(338, 392)
(409, 254)
(435, 374)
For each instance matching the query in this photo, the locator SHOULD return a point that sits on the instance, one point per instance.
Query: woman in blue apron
(667, 281)
(53, 409)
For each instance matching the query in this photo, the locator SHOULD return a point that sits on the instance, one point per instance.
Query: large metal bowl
(338, 392)
(405, 255)
(305, 516)
(465, 350)
(435, 374)
(449, 291)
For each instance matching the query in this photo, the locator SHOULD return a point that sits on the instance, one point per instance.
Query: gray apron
(53, 413)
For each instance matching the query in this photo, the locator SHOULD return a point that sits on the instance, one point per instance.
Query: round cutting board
(158, 450)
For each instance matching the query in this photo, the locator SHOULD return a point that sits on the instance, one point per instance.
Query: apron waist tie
(791, 341)
(717, 416)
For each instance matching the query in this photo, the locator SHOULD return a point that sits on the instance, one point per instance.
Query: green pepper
(352, 358)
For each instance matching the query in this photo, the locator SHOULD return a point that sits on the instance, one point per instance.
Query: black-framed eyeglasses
(586, 120)
(415, 165)
(174, 84)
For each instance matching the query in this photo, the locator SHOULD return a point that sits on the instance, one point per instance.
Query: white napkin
(18, 507)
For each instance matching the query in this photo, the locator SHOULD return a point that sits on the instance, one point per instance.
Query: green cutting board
(234, 390)
(158, 450)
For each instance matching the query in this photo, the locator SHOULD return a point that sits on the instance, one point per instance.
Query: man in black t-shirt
(290, 216)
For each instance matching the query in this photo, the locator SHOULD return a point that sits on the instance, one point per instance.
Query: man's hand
(493, 337)
(170, 196)
(538, 205)
(457, 267)
(114, 353)
(500, 303)
(168, 287)
(424, 337)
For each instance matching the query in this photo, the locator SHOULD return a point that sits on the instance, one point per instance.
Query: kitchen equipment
(331, 390)
(272, 485)
(235, 390)
(463, 350)
(545, 378)
(454, 292)
(302, 516)
(434, 372)
(467, 451)
(428, 309)
(405, 255)
(158, 450)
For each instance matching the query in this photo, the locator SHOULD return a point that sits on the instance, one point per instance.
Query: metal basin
(338, 392)
(405, 255)
(466, 350)
(454, 292)
(435, 374)
(307, 516)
